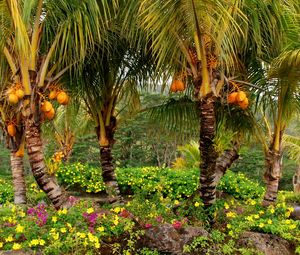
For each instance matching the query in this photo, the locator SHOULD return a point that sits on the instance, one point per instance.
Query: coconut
(47, 106)
(62, 98)
(11, 130)
(13, 98)
(231, 99)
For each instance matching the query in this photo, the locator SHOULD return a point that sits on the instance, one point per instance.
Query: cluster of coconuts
(238, 98)
(47, 108)
(177, 86)
(15, 94)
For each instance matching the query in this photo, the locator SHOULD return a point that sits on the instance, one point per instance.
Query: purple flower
(41, 214)
(91, 218)
(73, 200)
(31, 211)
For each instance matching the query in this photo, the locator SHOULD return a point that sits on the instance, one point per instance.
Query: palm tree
(108, 86)
(40, 40)
(204, 39)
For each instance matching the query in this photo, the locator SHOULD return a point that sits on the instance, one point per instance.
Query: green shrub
(6, 191)
(237, 185)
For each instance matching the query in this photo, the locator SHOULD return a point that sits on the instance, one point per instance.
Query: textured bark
(225, 161)
(106, 159)
(272, 176)
(36, 159)
(17, 169)
(207, 150)
(296, 181)
(108, 174)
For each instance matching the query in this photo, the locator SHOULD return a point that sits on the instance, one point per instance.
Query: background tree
(205, 41)
(30, 34)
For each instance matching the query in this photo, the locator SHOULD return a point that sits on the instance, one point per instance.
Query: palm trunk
(296, 181)
(108, 174)
(207, 150)
(272, 176)
(225, 161)
(36, 159)
(106, 159)
(17, 169)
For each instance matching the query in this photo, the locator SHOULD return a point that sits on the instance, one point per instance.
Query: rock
(165, 238)
(266, 243)
(296, 213)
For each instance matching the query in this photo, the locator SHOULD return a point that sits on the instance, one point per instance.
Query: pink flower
(177, 224)
(148, 225)
(159, 219)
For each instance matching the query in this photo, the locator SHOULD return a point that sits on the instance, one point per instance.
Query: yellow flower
(261, 225)
(226, 206)
(81, 235)
(261, 212)
(100, 229)
(287, 221)
(19, 229)
(176, 202)
(1, 244)
(16, 246)
(293, 226)
(290, 209)
(270, 222)
(9, 238)
(22, 214)
(272, 210)
(63, 211)
(231, 214)
(55, 236)
(63, 230)
(34, 242)
(256, 216)
(54, 219)
(197, 204)
(42, 242)
(116, 220)
(228, 225)
(13, 209)
(117, 210)
(249, 218)
(90, 210)
(97, 245)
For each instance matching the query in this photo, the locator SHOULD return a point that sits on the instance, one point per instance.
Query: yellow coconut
(47, 106)
(20, 93)
(244, 104)
(231, 99)
(52, 94)
(11, 130)
(50, 114)
(13, 98)
(241, 96)
(180, 85)
(62, 98)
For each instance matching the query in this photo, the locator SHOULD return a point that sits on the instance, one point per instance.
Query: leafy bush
(84, 176)
(237, 185)
(6, 191)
